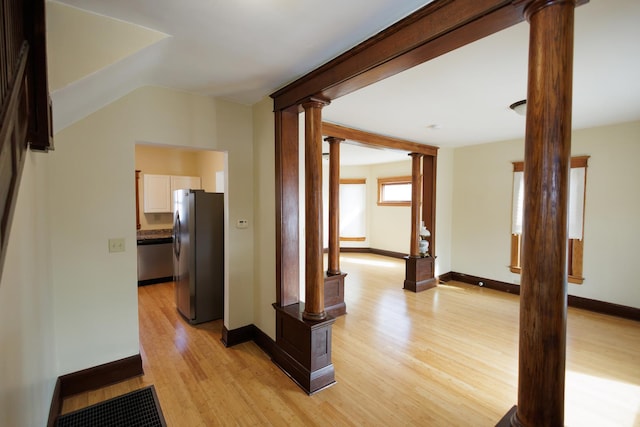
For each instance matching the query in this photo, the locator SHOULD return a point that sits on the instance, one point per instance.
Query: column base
(334, 294)
(510, 419)
(303, 348)
(419, 274)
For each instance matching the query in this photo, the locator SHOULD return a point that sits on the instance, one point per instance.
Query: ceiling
(246, 49)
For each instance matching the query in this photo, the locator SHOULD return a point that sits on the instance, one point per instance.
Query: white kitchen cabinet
(158, 191)
(184, 182)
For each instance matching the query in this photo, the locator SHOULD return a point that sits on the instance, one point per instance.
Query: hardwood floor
(443, 357)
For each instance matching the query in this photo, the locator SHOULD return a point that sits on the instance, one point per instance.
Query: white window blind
(576, 202)
(353, 198)
(518, 203)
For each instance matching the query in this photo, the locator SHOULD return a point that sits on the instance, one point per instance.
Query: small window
(395, 191)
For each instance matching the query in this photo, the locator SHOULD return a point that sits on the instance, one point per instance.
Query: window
(577, 189)
(395, 191)
(353, 202)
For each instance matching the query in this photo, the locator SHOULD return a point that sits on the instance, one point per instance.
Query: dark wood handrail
(25, 113)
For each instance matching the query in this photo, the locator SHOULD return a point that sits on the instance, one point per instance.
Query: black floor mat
(139, 408)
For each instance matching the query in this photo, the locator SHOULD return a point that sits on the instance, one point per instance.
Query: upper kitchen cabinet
(158, 191)
(184, 182)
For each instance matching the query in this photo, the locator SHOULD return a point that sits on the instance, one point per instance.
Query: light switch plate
(242, 223)
(116, 245)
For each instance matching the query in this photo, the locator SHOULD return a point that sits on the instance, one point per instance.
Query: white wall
(27, 352)
(482, 207)
(92, 200)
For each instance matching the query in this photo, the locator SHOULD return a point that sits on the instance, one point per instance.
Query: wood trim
(602, 307)
(390, 254)
(353, 181)
(434, 30)
(100, 376)
(596, 306)
(352, 239)
(580, 161)
(576, 162)
(393, 180)
(515, 253)
(487, 283)
(238, 336)
(56, 405)
(371, 139)
(138, 225)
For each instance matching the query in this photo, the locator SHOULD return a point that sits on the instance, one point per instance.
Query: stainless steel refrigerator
(198, 254)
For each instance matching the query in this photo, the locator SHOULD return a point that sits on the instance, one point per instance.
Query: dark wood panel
(287, 203)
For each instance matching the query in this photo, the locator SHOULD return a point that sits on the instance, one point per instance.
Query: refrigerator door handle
(176, 236)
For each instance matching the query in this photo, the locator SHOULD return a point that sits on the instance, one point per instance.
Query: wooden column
(334, 205)
(429, 199)
(314, 277)
(419, 272)
(543, 297)
(414, 251)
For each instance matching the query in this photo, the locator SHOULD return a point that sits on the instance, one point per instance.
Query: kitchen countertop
(154, 236)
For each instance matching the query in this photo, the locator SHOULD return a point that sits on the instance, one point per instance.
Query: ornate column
(303, 332)
(414, 252)
(334, 205)
(419, 270)
(314, 275)
(543, 290)
(334, 279)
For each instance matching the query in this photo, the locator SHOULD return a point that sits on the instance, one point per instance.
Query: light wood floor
(443, 357)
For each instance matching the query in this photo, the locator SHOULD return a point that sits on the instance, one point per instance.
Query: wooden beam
(437, 28)
(377, 140)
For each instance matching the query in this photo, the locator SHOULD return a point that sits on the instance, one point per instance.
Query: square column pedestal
(303, 348)
(419, 274)
(334, 294)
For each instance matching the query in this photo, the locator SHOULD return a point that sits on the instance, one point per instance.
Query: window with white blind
(577, 189)
(353, 203)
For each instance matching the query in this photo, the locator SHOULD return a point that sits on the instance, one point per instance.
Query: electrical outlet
(242, 223)
(116, 245)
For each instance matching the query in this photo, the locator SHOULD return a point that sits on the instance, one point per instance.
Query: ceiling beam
(437, 28)
(376, 140)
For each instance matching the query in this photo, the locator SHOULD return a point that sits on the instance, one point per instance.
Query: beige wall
(27, 344)
(94, 201)
(389, 227)
(265, 217)
(482, 209)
